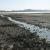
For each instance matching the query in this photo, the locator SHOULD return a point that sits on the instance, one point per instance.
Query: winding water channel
(42, 32)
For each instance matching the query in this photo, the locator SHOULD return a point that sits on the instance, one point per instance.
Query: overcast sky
(24, 4)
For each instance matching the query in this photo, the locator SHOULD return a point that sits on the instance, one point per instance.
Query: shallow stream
(42, 32)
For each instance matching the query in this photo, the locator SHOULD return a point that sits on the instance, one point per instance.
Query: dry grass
(42, 19)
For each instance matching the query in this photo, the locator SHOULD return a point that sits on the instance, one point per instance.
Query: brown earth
(38, 19)
(13, 37)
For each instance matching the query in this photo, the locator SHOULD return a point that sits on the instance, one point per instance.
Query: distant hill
(26, 10)
(30, 10)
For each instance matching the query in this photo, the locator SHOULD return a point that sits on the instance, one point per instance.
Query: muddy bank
(13, 37)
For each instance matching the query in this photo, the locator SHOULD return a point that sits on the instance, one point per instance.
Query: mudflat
(39, 19)
(13, 37)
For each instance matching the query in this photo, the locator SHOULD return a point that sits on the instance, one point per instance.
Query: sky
(24, 4)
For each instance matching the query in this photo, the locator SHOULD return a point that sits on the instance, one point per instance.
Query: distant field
(40, 19)
(13, 35)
